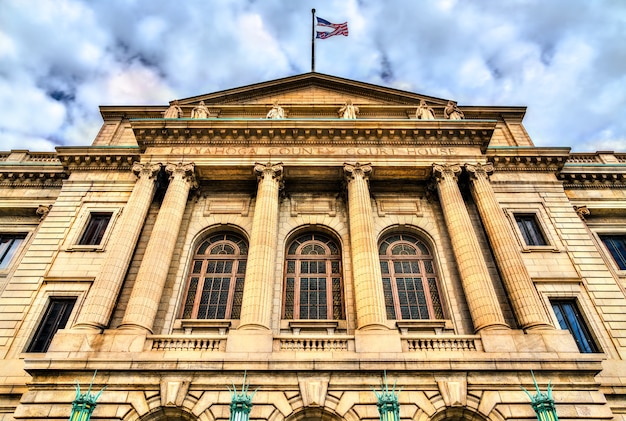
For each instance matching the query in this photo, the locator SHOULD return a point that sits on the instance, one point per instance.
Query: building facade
(313, 232)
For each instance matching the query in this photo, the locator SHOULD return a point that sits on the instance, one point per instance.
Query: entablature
(162, 132)
(97, 158)
(603, 169)
(20, 168)
(527, 158)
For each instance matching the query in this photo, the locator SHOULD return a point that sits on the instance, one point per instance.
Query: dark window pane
(384, 267)
(289, 298)
(616, 244)
(55, 318)
(391, 314)
(570, 318)
(530, 230)
(434, 297)
(237, 299)
(97, 225)
(9, 244)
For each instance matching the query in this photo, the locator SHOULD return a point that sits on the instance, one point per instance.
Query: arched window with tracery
(409, 278)
(313, 287)
(215, 281)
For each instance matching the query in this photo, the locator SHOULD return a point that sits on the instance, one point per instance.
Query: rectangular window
(9, 244)
(529, 227)
(570, 318)
(56, 317)
(96, 227)
(616, 245)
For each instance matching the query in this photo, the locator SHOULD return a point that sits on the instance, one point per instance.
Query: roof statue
(424, 111)
(276, 112)
(174, 111)
(348, 111)
(452, 112)
(200, 111)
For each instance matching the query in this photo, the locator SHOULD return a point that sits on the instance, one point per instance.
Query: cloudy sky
(563, 59)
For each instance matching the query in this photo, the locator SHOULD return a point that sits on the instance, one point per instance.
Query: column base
(553, 340)
(82, 340)
(250, 341)
(377, 340)
(89, 327)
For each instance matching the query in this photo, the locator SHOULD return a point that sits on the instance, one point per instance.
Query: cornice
(24, 169)
(528, 158)
(97, 158)
(294, 111)
(594, 177)
(598, 170)
(162, 132)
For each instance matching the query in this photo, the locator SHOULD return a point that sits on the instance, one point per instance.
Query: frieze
(301, 151)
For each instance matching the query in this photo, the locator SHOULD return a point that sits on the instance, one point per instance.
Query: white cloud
(60, 59)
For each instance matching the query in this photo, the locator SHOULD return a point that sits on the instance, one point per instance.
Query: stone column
(256, 308)
(481, 297)
(102, 297)
(524, 298)
(146, 294)
(368, 285)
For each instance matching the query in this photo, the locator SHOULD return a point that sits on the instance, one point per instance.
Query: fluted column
(102, 296)
(481, 297)
(256, 308)
(146, 294)
(524, 298)
(368, 285)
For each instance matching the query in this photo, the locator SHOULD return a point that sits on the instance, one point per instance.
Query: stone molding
(322, 132)
(93, 159)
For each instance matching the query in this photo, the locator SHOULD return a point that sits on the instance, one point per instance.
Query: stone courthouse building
(313, 232)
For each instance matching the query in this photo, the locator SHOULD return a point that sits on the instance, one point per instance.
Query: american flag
(337, 28)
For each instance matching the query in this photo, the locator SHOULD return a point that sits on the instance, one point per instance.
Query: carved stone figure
(348, 111)
(200, 111)
(452, 112)
(174, 111)
(276, 112)
(424, 111)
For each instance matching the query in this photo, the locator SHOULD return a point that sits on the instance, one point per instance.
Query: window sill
(202, 326)
(530, 249)
(436, 326)
(85, 248)
(328, 326)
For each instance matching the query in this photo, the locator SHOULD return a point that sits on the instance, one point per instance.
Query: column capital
(351, 170)
(443, 171)
(479, 170)
(150, 170)
(275, 171)
(185, 171)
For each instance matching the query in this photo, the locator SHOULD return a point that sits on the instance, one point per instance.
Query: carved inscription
(309, 151)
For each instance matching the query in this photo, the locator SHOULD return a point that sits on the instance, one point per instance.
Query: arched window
(409, 279)
(215, 282)
(313, 288)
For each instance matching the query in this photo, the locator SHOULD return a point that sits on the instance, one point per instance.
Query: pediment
(312, 89)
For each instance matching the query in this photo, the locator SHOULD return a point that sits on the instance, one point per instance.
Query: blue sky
(563, 59)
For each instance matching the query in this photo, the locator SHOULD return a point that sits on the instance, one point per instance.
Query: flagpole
(312, 40)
